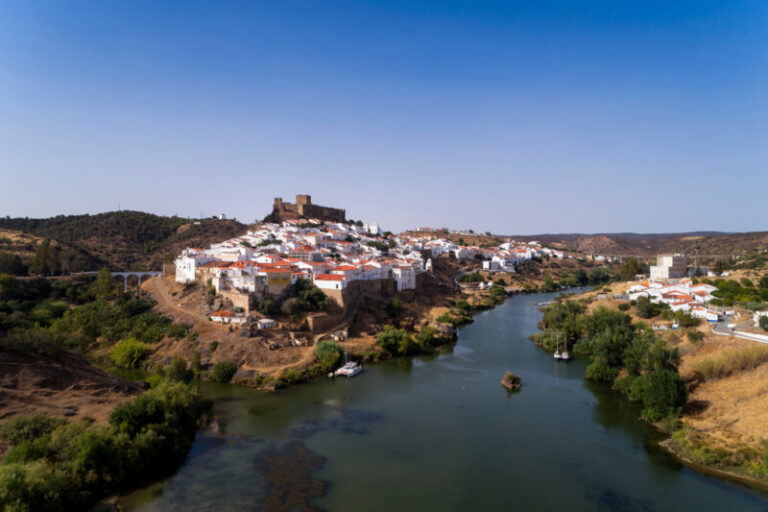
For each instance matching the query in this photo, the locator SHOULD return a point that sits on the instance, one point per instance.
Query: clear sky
(510, 116)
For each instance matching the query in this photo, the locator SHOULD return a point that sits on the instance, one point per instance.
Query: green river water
(440, 433)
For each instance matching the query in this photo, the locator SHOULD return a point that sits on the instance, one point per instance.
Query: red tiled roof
(330, 277)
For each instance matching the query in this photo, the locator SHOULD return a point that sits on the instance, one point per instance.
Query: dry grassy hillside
(122, 240)
(704, 245)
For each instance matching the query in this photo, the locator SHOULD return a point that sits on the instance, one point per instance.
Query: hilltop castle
(303, 209)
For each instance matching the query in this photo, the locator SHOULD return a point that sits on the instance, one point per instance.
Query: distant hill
(706, 245)
(122, 240)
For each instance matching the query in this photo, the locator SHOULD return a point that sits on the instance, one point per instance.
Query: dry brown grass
(732, 361)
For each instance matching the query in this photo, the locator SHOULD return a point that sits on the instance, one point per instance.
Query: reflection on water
(439, 433)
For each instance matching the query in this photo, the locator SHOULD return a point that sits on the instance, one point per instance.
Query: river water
(440, 433)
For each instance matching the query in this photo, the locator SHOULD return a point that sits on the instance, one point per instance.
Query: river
(440, 433)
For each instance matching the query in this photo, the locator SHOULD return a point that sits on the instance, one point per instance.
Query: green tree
(396, 341)
(328, 354)
(629, 269)
(11, 264)
(10, 287)
(104, 286)
(663, 393)
(763, 322)
(129, 353)
(267, 307)
(223, 371)
(427, 337)
(179, 371)
(646, 308)
(21, 429)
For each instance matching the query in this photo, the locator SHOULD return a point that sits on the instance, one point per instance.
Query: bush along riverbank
(630, 357)
(54, 464)
(641, 365)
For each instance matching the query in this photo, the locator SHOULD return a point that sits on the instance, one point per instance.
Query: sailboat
(558, 356)
(564, 355)
(349, 369)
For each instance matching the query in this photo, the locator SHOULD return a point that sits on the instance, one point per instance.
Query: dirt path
(170, 305)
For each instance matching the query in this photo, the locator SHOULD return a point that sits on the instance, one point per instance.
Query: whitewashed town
(331, 255)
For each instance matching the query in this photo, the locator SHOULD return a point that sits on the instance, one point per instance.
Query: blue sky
(514, 117)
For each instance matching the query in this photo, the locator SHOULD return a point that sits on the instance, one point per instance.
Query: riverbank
(446, 423)
(724, 422)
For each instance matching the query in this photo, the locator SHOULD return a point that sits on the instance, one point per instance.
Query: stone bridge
(125, 275)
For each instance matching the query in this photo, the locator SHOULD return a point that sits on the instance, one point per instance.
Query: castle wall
(303, 207)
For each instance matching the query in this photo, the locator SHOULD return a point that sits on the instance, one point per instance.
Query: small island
(511, 382)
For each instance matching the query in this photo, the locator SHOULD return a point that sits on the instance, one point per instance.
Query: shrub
(267, 307)
(427, 336)
(397, 341)
(33, 341)
(497, 292)
(212, 346)
(624, 307)
(474, 277)
(328, 354)
(177, 331)
(763, 322)
(154, 380)
(463, 306)
(178, 371)
(54, 465)
(646, 308)
(694, 335)
(28, 428)
(129, 353)
(224, 371)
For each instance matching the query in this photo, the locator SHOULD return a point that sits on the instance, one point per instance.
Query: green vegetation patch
(634, 360)
(55, 465)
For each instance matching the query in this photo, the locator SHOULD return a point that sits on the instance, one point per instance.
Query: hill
(60, 385)
(703, 245)
(122, 240)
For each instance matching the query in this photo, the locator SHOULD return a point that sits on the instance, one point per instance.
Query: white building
(405, 277)
(187, 263)
(331, 281)
(669, 266)
(229, 317)
(705, 313)
(758, 315)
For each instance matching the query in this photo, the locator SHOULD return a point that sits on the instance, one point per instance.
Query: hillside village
(336, 257)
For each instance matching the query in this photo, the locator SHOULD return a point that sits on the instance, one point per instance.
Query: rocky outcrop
(511, 382)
